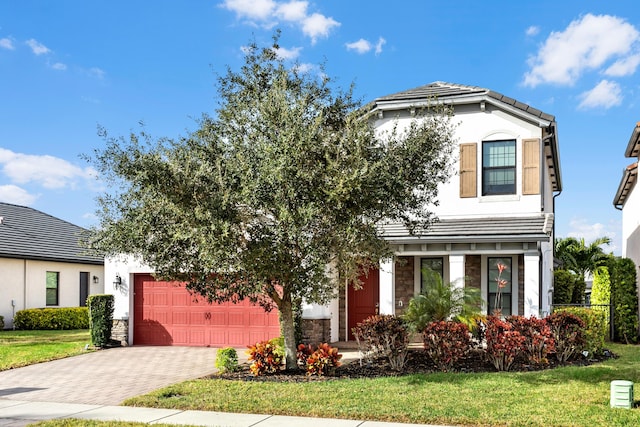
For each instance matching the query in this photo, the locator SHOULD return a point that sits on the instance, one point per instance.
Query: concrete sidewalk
(17, 413)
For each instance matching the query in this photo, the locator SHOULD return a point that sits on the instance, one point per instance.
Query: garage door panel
(165, 313)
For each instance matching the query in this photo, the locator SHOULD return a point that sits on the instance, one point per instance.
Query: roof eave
(403, 240)
(633, 148)
(460, 99)
(627, 182)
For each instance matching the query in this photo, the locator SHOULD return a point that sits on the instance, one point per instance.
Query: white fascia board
(462, 100)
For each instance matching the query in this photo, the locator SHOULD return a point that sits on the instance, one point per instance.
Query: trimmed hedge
(52, 318)
(101, 313)
(595, 326)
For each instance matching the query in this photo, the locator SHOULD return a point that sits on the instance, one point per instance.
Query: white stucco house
(42, 264)
(498, 208)
(627, 199)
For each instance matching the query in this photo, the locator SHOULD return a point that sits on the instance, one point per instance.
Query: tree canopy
(278, 193)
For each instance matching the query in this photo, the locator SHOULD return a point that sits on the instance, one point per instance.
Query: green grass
(22, 348)
(569, 396)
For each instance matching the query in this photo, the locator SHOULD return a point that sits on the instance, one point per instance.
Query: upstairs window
(498, 167)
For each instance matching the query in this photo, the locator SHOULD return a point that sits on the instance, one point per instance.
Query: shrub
(1, 323)
(563, 283)
(568, 333)
(101, 318)
(266, 357)
(441, 301)
(624, 299)
(385, 335)
(538, 340)
(52, 318)
(595, 326)
(503, 343)
(226, 359)
(446, 343)
(319, 362)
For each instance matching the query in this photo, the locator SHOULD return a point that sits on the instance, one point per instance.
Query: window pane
(499, 167)
(52, 288)
(435, 265)
(502, 280)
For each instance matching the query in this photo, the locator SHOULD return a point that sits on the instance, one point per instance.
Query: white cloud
(37, 48)
(588, 43)
(267, 13)
(381, 42)
(606, 94)
(59, 66)
(581, 228)
(97, 73)
(305, 68)
(16, 195)
(48, 171)
(294, 11)
(532, 31)
(259, 10)
(624, 67)
(287, 54)
(7, 43)
(361, 46)
(318, 25)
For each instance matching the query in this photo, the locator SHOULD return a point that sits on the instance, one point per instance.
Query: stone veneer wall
(473, 271)
(120, 331)
(521, 285)
(316, 331)
(342, 312)
(404, 283)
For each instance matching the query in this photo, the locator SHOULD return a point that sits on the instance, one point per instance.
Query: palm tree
(581, 259)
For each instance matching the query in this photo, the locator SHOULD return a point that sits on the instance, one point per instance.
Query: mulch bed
(417, 363)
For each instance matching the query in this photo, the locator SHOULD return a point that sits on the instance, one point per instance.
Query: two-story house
(497, 208)
(627, 199)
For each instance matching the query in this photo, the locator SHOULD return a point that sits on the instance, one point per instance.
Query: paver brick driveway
(107, 377)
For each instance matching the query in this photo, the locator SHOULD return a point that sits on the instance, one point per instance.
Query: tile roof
(521, 229)
(26, 233)
(633, 147)
(446, 91)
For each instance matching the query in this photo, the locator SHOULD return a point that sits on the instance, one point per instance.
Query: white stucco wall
(476, 126)
(631, 228)
(24, 284)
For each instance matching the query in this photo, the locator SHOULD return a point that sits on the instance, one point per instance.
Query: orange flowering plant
(501, 284)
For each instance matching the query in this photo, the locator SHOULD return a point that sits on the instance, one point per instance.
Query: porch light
(96, 280)
(117, 283)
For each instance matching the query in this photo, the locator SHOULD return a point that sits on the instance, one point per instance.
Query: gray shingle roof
(524, 229)
(26, 233)
(444, 91)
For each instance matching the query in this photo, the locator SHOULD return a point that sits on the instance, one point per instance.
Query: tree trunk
(287, 329)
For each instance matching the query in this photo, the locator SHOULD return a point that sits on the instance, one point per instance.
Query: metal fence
(606, 308)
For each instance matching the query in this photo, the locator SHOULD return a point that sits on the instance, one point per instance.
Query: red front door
(363, 302)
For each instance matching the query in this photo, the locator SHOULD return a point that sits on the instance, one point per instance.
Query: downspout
(24, 290)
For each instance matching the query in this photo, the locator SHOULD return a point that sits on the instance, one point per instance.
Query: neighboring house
(627, 199)
(42, 264)
(497, 208)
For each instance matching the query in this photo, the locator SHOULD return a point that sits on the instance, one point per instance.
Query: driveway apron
(107, 377)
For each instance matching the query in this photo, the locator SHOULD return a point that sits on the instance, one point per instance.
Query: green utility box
(621, 394)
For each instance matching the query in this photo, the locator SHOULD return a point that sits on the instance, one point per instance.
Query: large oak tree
(274, 196)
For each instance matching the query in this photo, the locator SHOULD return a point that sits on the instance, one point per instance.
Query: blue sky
(68, 66)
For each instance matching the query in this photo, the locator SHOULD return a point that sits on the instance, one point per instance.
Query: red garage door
(165, 313)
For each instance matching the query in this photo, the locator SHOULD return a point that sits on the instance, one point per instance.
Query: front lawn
(22, 348)
(567, 396)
